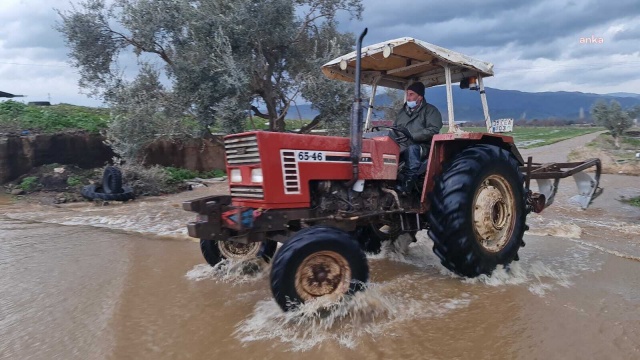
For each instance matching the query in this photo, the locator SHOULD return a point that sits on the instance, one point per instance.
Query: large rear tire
(93, 192)
(315, 262)
(478, 213)
(216, 251)
(112, 180)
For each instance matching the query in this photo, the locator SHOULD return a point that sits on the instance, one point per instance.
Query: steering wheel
(402, 136)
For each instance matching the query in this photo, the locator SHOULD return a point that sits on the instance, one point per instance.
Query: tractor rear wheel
(216, 251)
(317, 261)
(478, 213)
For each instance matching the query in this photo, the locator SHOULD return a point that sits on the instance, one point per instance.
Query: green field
(530, 137)
(18, 117)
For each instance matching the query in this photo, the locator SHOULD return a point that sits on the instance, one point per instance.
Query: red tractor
(330, 199)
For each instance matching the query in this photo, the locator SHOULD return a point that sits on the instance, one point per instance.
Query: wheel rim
(236, 251)
(494, 211)
(323, 273)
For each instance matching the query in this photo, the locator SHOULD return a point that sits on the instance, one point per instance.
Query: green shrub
(74, 180)
(29, 183)
(212, 174)
(178, 174)
(635, 201)
(152, 180)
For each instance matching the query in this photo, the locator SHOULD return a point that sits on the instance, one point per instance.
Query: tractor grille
(254, 192)
(242, 150)
(290, 174)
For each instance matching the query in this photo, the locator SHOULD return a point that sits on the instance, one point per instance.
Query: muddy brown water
(124, 282)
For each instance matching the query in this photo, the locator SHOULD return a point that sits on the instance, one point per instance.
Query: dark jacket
(422, 123)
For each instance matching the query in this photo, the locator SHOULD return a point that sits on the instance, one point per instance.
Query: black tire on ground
(317, 261)
(92, 192)
(112, 180)
(216, 251)
(369, 242)
(477, 216)
(371, 235)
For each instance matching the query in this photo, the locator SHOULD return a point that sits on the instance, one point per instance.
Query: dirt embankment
(622, 160)
(20, 154)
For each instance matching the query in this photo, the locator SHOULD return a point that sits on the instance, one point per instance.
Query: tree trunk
(280, 124)
(616, 140)
(272, 111)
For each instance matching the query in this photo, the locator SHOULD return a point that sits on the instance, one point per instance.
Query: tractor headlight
(236, 176)
(256, 175)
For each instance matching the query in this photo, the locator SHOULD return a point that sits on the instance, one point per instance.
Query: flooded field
(123, 281)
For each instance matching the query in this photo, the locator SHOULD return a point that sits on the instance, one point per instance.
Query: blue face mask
(412, 104)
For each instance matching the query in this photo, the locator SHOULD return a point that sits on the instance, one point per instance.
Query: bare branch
(258, 113)
(163, 55)
(310, 126)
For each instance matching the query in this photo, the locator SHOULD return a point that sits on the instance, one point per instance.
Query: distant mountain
(624, 94)
(504, 104)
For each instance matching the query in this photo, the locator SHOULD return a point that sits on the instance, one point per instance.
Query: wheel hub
(494, 213)
(322, 273)
(236, 251)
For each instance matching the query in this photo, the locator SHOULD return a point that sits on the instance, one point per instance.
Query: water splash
(405, 251)
(609, 251)
(517, 273)
(543, 227)
(159, 218)
(369, 313)
(231, 272)
(540, 276)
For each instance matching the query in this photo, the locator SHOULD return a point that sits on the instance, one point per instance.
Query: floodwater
(82, 281)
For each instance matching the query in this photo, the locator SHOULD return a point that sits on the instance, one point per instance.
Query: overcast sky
(535, 45)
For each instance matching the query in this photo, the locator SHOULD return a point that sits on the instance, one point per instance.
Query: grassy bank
(16, 117)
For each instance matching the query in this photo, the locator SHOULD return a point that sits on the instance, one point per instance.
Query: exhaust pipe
(356, 115)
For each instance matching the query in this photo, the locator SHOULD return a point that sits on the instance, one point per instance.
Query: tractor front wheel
(477, 216)
(216, 251)
(317, 261)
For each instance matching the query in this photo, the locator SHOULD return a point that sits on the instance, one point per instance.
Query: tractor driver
(422, 120)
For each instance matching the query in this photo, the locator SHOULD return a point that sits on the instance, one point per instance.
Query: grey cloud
(35, 35)
(508, 33)
(30, 27)
(385, 13)
(627, 34)
(492, 23)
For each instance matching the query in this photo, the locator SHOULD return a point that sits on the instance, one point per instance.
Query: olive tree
(612, 117)
(142, 112)
(634, 112)
(395, 100)
(218, 59)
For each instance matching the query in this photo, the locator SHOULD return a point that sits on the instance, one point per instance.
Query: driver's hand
(406, 133)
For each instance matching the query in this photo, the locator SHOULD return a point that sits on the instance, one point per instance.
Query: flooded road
(82, 281)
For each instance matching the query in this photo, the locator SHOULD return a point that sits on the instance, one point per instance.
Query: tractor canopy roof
(397, 63)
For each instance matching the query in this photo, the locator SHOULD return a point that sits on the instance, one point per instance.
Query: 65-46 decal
(302, 155)
(327, 156)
